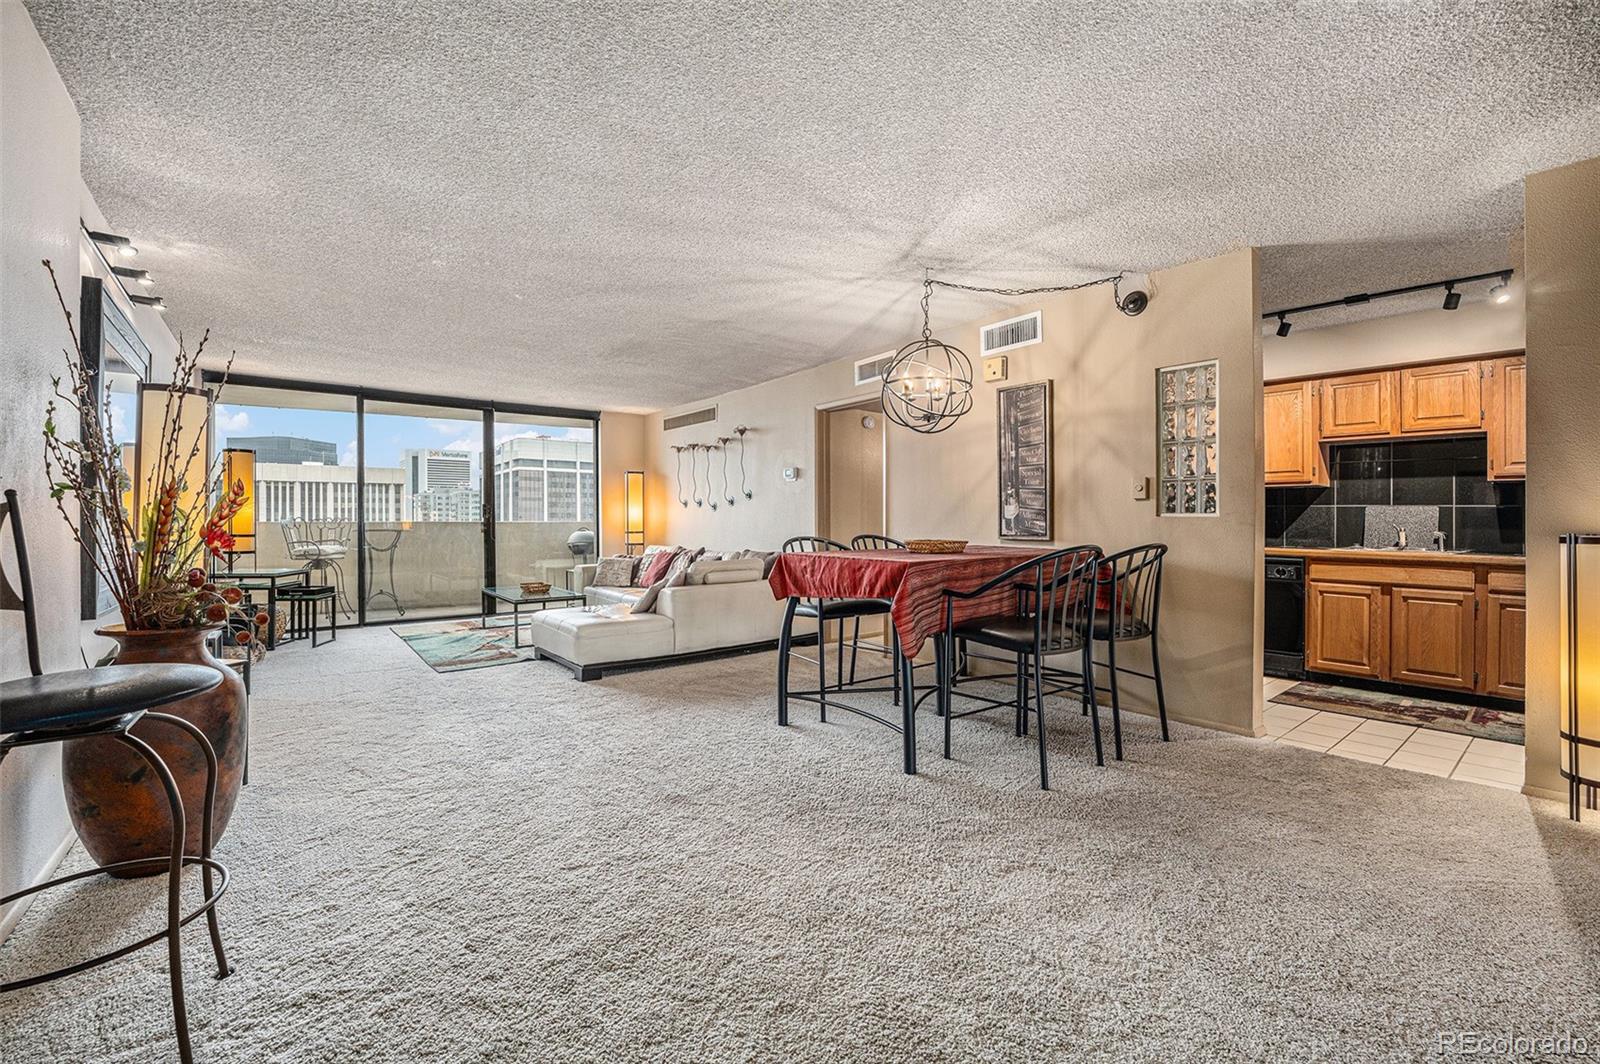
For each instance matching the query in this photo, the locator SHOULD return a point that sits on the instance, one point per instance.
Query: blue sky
(387, 434)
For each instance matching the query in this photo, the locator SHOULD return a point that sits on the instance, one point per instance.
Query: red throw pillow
(659, 564)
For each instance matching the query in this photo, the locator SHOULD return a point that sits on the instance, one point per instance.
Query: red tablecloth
(912, 582)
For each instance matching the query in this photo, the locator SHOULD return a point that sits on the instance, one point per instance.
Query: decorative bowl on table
(535, 587)
(936, 546)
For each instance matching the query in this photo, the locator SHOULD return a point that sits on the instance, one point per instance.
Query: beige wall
(1478, 328)
(1563, 276)
(1103, 365)
(621, 449)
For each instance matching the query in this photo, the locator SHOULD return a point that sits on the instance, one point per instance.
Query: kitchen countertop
(1423, 557)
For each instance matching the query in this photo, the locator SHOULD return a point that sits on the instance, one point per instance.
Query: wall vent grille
(870, 370)
(693, 417)
(1013, 333)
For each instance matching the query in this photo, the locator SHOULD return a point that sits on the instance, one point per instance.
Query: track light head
(1283, 325)
(142, 276)
(121, 244)
(155, 302)
(1452, 298)
(1501, 293)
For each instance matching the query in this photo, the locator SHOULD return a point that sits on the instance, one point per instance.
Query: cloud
(229, 420)
(466, 443)
(347, 454)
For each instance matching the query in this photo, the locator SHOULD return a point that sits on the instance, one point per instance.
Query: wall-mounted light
(633, 512)
(122, 245)
(1452, 298)
(1501, 293)
(142, 276)
(1283, 325)
(149, 301)
(1580, 668)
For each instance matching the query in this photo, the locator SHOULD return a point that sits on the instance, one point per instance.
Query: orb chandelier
(928, 383)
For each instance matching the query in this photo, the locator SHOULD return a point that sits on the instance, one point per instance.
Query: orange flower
(216, 612)
(232, 595)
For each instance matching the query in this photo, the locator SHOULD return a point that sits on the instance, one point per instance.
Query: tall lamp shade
(239, 466)
(1580, 668)
(633, 524)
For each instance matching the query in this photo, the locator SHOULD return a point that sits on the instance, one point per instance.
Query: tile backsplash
(1451, 473)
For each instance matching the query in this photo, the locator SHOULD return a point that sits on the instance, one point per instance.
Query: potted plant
(153, 563)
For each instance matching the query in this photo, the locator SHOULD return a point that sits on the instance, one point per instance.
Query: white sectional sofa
(737, 613)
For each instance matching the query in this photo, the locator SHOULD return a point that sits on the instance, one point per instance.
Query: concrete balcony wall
(438, 565)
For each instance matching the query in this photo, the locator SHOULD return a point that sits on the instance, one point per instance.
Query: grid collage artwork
(1187, 398)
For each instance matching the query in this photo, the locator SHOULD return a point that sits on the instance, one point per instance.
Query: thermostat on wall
(791, 473)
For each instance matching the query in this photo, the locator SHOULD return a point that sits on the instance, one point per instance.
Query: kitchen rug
(1498, 724)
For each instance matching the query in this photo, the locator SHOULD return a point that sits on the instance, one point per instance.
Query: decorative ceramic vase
(118, 805)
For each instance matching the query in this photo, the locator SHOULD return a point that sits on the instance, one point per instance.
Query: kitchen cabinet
(1360, 404)
(1445, 398)
(1423, 619)
(1434, 640)
(1293, 453)
(1505, 383)
(1346, 626)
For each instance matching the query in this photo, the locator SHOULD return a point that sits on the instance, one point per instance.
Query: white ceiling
(636, 205)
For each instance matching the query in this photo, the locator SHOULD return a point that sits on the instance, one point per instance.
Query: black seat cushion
(85, 698)
(1129, 628)
(310, 591)
(835, 608)
(1012, 633)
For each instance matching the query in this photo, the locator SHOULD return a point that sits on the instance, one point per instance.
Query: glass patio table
(513, 596)
(265, 580)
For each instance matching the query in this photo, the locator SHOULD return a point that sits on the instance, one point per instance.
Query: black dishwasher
(1284, 633)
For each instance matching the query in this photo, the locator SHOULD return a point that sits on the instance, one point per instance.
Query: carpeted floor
(506, 865)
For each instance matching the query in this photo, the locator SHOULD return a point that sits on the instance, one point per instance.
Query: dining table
(914, 584)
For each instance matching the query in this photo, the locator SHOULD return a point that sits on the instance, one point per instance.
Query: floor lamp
(1580, 668)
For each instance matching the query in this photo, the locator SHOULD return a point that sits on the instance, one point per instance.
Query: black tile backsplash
(1452, 473)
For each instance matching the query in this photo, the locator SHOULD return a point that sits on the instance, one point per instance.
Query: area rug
(1477, 721)
(454, 646)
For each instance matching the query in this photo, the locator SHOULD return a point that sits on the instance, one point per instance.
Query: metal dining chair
(1053, 603)
(824, 610)
(107, 702)
(1130, 614)
(875, 541)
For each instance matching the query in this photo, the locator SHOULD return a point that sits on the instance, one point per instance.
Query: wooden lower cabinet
(1346, 625)
(1505, 659)
(1434, 638)
(1448, 627)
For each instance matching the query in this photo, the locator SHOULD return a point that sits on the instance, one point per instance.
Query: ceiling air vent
(693, 417)
(870, 370)
(1013, 332)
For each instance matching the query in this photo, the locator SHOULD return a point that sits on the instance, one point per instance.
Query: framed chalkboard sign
(1025, 477)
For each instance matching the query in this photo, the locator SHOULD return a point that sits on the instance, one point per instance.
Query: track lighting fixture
(142, 276)
(122, 244)
(149, 301)
(1500, 293)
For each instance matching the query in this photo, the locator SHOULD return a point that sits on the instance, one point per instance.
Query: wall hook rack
(678, 450)
(740, 430)
(694, 476)
(711, 496)
(722, 445)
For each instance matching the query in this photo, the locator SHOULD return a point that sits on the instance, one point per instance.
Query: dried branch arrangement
(152, 561)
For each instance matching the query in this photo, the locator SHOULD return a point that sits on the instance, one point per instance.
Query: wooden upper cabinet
(1346, 628)
(1435, 638)
(1293, 455)
(1360, 404)
(1441, 398)
(1505, 382)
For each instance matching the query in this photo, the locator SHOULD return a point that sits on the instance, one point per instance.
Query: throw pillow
(655, 567)
(616, 571)
(676, 574)
(702, 571)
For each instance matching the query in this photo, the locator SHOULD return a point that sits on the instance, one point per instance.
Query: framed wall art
(1187, 440)
(1025, 476)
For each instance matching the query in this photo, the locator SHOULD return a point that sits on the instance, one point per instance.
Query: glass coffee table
(516, 598)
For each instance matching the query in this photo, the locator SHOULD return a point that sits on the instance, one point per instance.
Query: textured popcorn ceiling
(635, 205)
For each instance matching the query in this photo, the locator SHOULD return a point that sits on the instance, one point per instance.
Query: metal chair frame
(1057, 590)
(117, 727)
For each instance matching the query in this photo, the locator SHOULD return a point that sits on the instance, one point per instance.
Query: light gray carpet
(507, 865)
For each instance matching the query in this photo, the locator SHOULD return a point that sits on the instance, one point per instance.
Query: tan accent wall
(1104, 368)
(622, 448)
(1562, 212)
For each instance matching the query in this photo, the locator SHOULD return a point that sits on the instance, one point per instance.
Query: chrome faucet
(1438, 541)
(1400, 532)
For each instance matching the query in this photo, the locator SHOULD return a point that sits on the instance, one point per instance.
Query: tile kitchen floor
(1399, 746)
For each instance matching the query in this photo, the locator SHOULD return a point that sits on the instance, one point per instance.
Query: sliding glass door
(425, 525)
(412, 504)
